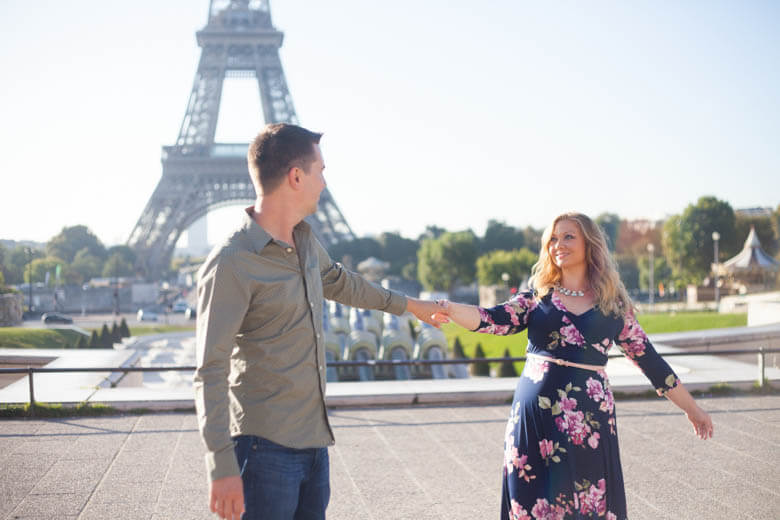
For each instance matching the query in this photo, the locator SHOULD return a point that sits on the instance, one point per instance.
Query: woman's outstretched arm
(467, 316)
(701, 421)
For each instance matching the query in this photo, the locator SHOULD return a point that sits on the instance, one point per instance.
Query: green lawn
(19, 337)
(145, 330)
(682, 321)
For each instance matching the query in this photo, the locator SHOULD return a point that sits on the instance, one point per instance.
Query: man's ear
(294, 175)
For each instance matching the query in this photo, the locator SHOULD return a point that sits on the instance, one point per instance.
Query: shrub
(457, 350)
(94, 340)
(105, 338)
(480, 369)
(116, 336)
(124, 330)
(507, 368)
(83, 342)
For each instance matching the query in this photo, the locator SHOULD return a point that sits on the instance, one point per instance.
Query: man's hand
(226, 497)
(424, 310)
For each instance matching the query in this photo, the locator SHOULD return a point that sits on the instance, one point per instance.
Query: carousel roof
(752, 257)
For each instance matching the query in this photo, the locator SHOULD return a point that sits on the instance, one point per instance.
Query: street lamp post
(29, 284)
(715, 239)
(651, 250)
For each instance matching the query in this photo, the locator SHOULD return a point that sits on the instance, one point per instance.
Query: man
(260, 381)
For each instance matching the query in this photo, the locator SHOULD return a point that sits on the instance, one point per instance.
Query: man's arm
(344, 286)
(223, 300)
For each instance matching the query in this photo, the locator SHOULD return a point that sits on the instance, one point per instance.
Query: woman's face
(567, 245)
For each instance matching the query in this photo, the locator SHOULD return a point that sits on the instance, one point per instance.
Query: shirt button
(320, 367)
(289, 250)
(318, 335)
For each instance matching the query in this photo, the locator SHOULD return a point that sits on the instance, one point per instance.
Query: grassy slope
(18, 337)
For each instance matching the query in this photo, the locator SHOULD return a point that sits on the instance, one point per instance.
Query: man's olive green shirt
(260, 349)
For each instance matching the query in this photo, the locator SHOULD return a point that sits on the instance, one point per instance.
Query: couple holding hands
(260, 378)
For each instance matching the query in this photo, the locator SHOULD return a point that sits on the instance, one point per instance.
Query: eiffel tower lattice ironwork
(198, 175)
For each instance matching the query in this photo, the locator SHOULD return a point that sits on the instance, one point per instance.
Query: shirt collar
(260, 238)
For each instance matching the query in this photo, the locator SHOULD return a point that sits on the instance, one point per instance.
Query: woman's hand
(442, 313)
(702, 423)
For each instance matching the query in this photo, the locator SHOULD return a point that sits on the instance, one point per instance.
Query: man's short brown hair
(279, 147)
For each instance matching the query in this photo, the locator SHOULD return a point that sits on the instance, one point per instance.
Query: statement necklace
(568, 292)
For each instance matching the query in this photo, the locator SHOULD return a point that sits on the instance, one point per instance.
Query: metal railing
(30, 371)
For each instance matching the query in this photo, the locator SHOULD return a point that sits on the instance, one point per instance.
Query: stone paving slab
(418, 462)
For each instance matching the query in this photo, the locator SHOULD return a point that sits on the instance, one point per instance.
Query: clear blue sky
(437, 112)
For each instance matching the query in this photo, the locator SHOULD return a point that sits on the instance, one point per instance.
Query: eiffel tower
(199, 174)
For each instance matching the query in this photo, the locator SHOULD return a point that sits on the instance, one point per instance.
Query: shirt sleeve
(636, 346)
(507, 318)
(223, 301)
(344, 286)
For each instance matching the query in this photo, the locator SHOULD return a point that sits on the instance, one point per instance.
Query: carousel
(752, 270)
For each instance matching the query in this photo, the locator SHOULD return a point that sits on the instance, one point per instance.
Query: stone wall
(10, 310)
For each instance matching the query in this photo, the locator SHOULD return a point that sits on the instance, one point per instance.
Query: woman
(561, 446)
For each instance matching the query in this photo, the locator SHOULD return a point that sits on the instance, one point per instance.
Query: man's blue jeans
(282, 483)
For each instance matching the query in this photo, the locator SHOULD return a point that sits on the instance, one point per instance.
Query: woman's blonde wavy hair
(610, 293)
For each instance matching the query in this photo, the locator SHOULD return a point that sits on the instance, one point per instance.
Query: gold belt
(564, 363)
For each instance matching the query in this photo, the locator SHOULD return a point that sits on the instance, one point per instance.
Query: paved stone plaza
(392, 463)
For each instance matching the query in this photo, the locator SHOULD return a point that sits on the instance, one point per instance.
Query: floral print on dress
(516, 463)
(632, 338)
(518, 513)
(548, 449)
(508, 318)
(570, 334)
(535, 369)
(561, 455)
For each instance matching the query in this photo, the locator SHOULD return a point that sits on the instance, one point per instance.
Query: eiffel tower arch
(198, 174)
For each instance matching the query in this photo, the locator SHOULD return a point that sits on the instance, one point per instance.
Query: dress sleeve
(636, 346)
(507, 318)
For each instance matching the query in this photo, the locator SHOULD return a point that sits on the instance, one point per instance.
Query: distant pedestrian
(561, 456)
(260, 378)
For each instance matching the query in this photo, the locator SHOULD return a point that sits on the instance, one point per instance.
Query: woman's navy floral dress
(561, 456)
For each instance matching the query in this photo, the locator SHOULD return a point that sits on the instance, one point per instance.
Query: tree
(764, 230)
(431, 232)
(517, 264)
(498, 235)
(116, 265)
(126, 252)
(16, 263)
(83, 342)
(409, 271)
(73, 239)
(480, 369)
(124, 330)
(687, 238)
(634, 236)
(532, 239)
(105, 341)
(445, 261)
(507, 368)
(85, 266)
(41, 266)
(397, 250)
(457, 349)
(628, 270)
(662, 273)
(610, 225)
(94, 340)
(353, 252)
(116, 335)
